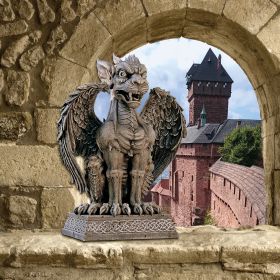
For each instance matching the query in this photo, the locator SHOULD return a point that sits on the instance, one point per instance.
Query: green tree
(243, 146)
(209, 219)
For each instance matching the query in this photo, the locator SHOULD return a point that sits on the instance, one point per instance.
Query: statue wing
(77, 129)
(167, 119)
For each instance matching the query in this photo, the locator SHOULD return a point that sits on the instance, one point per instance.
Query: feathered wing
(77, 129)
(167, 119)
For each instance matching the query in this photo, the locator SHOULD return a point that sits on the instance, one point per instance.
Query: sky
(168, 61)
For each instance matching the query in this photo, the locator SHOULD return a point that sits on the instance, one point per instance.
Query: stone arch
(246, 31)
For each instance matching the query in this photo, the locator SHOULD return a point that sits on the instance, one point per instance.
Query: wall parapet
(232, 254)
(239, 188)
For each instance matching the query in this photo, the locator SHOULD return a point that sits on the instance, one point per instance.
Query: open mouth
(129, 96)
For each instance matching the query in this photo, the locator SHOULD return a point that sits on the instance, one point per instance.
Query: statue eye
(144, 75)
(122, 73)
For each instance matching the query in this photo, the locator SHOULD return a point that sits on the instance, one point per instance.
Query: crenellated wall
(237, 195)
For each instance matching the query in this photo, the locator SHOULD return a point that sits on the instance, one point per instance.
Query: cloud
(168, 61)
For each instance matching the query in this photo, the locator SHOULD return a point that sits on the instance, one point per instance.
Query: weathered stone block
(84, 6)
(31, 58)
(251, 14)
(31, 166)
(55, 204)
(61, 78)
(57, 37)
(131, 37)
(115, 15)
(25, 9)
(18, 84)
(15, 49)
(269, 36)
(14, 125)
(67, 13)
(46, 125)
(215, 6)
(6, 11)
(22, 210)
(155, 7)
(13, 28)
(46, 14)
(80, 47)
(166, 25)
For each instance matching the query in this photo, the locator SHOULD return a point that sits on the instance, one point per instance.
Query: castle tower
(208, 84)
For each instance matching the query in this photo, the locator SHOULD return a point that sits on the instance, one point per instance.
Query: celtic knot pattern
(118, 225)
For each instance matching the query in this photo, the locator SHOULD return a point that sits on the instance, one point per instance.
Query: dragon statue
(125, 153)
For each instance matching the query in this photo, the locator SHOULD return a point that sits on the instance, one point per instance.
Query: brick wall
(214, 98)
(237, 195)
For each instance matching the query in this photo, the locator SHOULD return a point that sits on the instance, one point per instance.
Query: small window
(234, 190)
(214, 204)
(239, 195)
(245, 204)
(224, 181)
(192, 178)
(251, 211)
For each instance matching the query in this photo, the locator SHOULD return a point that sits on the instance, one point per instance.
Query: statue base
(93, 228)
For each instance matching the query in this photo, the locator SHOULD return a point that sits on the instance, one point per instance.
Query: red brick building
(187, 194)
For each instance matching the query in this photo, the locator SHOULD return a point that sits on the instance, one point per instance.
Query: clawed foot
(87, 209)
(82, 209)
(126, 209)
(105, 208)
(151, 208)
(115, 209)
(137, 209)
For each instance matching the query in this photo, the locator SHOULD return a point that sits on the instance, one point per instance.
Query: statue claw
(115, 209)
(82, 209)
(157, 209)
(93, 207)
(126, 209)
(148, 208)
(137, 209)
(104, 209)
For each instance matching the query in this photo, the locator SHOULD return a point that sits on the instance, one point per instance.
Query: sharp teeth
(130, 95)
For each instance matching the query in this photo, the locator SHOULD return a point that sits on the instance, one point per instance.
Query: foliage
(209, 219)
(243, 146)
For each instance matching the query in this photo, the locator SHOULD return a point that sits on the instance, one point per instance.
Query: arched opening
(153, 22)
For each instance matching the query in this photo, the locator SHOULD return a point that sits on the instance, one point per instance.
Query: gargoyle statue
(124, 154)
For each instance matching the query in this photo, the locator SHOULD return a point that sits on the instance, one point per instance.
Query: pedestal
(95, 227)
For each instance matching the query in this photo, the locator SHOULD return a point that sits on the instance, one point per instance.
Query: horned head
(127, 78)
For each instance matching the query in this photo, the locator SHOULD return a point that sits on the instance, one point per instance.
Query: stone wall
(200, 253)
(45, 54)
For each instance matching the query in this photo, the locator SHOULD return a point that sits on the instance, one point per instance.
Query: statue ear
(116, 59)
(104, 70)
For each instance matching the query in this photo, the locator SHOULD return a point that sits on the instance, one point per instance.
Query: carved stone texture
(125, 153)
(16, 48)
(13, 28)
(31, 58)
(57, 37)
(85, 6)
(46, 14)
(93, 228)
(67, 13)
(22, 210)
(13, 51)
(6, 11)
(18, 84)
(14, 125)
(25, 9)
